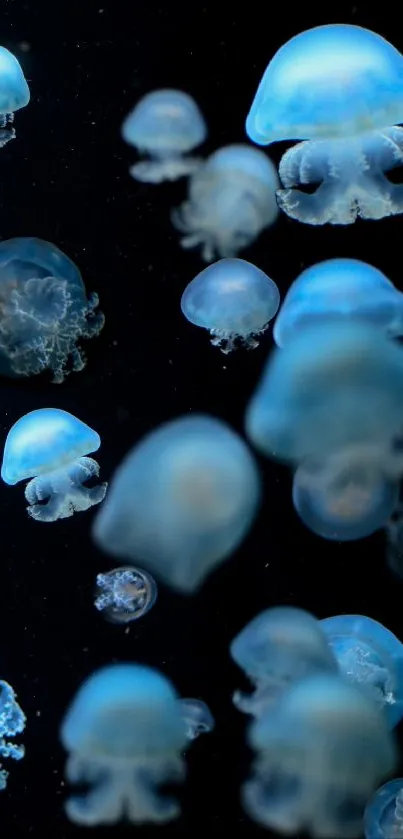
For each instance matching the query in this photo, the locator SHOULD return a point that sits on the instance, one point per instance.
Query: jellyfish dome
(14, 93)
(383, 817)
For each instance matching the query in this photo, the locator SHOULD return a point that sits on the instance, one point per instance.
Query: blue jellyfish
(234, 300)
(197, 717)
(278, 647)
(370, 656)
(165, 124)
(340, 89)
(232, 198)
(321, 752)
(14, 93)
(125, 594)
(125, 735)
(12, 722)
(50, 446)
(44, 310)
(383, 817)
(181, 501)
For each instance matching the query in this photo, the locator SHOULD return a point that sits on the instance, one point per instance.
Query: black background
(65, 179)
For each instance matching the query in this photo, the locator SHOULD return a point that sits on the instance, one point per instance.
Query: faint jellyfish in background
(181, 501)
(125, 735)
(49, 445)
(125, 594)
(383, 817)
(234, 300)
(197, 717)
(12, 722)
(351, 139)
(166, 125)
(14, 93)
(394, 541)
(232, 198)
(44, 310)
(321, 752)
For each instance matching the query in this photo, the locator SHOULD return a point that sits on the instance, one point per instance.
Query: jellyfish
(339, 88)
(14, 93)
(125, 594)
(233, 300)
(125, 734)
(181, 501)
(321, 752)
(166, 125)
(370, 656)
(197, 717)
(12, 722)
(232, 198)
(44, 310)
(383, 817)
(50, 446)
(394, 541)
(278, 647)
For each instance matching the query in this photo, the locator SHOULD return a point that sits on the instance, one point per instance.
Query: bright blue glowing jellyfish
(181, 501)
(231, 199)
(370, 656)
(14, 93)
(125, 735)
(44, 310)
(234, 300)
(278, 647)
(49, 445)
(12, 722)
(197, 717)
(339, 289)
(321, 752)
(339, 88)
(125, 594)
(383, 817)
(165, 124)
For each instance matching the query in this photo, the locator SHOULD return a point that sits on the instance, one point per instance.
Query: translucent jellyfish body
(197, 717)
(125, 594)
(369, 655)
(233, 300)
(125, 735)
(321, 752)
(339, 88)
(383, 817)
(232, 198)
(12, 722)
(44, 310)
(166, 125)
(278, 647)
(181, 501)
(14, 93)
(50, 446)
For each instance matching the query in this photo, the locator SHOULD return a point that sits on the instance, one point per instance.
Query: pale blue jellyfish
(197, 717)
(14, 93)
(340, 89)
(321, 752)
(125, 594)
(231, 199)
(234, 300)
(383, 817)
(12, 722)
(166, 125)
(50, 446)
(370, 656)
(125, 736)
(278, 647)
(181, 501)
(44, 310)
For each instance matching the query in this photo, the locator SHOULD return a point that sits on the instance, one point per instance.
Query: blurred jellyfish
(12, 722)
(125, 594)
(278, 647)
(197, 717)
(394, 541)
(49, 445)
(383, 817)
(165, 124)
(181, 501)
(371, 657)
(14, 93)
(232, 198)
(44, 310)
(339, 88)
(321, 751)
(234, 300)
(125, 735)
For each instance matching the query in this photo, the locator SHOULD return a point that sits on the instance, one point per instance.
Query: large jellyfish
(165, 124)
(50, 446)
(383, 817)
(125, 594)
(181, 501)
(321, 751)
(232, 198)
(44, 310)
(14, 93)
(340, 89)
(12, 722)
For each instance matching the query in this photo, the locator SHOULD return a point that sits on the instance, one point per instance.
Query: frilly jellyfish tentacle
(12, 722)
(65, 490)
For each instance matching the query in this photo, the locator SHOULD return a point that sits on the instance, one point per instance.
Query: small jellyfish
(50, 446)
(233, 300)
(125, 594)
(339, 88)
(12, 722)
(165, 124)
(44, 310)
(383, 817)
(321, 752)
(14, 93)
(232, 198)
(181, 501)
(370, 656)
(197, 717)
